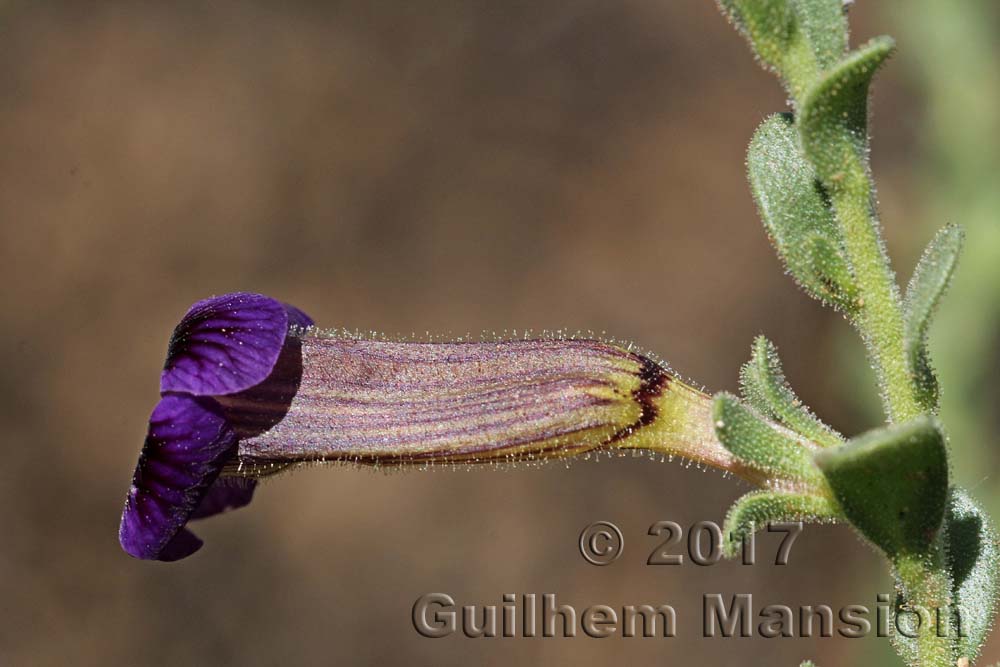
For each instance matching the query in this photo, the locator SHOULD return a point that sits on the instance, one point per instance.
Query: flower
(250, 387)
(223, 346)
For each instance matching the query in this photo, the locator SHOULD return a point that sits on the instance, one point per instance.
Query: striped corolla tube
(250, 387)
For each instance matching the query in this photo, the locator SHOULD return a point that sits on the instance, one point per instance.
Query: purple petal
(182, 545)
(187, 445)
(227, 344)
(228, 493)
(297, 318)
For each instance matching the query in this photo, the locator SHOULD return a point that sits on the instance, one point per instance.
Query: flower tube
(250, 388)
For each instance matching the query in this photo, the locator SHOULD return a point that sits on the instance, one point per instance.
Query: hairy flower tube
(250, 388)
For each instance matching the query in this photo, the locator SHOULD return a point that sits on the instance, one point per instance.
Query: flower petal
(227, 344)
(228, 493)
(187, 445)
(182, 545)
(297, 318)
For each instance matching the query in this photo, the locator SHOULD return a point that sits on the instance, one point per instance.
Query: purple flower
(249, 388)
(223, 346)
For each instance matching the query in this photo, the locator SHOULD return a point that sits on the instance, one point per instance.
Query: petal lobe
(227, 344)
(187, 445)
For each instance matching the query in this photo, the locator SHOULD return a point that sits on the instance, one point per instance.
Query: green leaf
(972, 564)
(833, 120)
(797, 39)
(765, 388)
(756, 509)
(763, 446)
(767, 24)
(798, 218)
(829, 266)
(824, 23)
(929, 283)
(892, 484)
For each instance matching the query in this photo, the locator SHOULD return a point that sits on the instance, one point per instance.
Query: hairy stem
(926, 589)
(880, 316)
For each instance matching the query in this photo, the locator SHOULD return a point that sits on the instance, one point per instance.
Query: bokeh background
(454, 166)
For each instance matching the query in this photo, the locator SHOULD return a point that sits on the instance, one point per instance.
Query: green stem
(879, 317)
(926, 589)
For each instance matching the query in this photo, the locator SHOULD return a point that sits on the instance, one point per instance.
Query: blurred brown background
(455, 167)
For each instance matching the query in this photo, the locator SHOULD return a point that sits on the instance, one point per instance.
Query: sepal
(777, 453)
(756, 509)
(765, 388)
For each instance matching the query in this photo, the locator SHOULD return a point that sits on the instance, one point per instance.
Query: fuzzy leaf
(765, 388)
(795, 38)
(797, 216)
(834, 114)
(824, 23)
(892, 484)
(929, 283)
(767, 24)
(974, 564)
(972, 557)
(830, 267)
(756, 509)
(762, 446)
